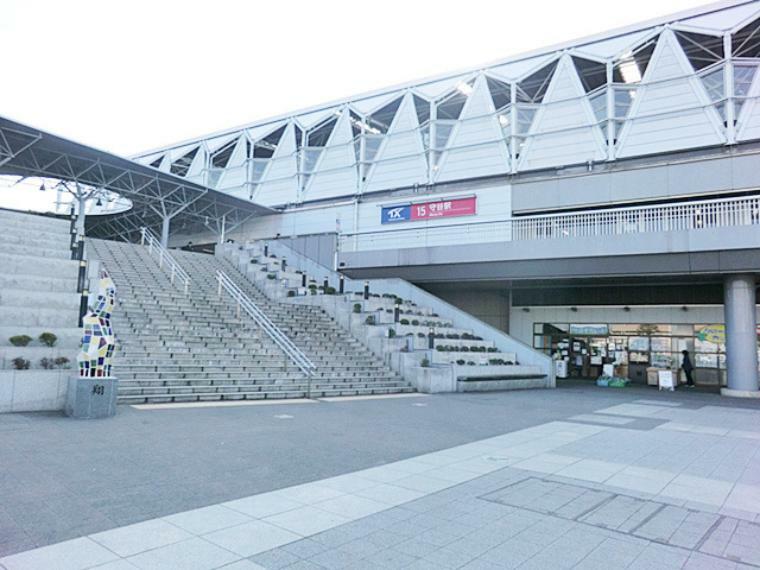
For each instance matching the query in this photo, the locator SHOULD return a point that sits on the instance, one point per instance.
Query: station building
(599, 200)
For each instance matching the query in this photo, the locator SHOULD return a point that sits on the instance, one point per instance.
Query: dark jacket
(686, 364)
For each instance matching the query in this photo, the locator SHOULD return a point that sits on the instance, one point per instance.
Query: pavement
(579, 477)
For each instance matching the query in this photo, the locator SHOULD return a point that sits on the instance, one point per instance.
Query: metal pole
(341, 284)
(165, 223)
(366, 290)
(431, 338)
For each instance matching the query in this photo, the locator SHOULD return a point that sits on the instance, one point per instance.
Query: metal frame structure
(158, 198)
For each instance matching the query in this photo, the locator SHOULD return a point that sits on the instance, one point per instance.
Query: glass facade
(634, 347)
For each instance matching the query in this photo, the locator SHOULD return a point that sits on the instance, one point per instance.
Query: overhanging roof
(28, 151)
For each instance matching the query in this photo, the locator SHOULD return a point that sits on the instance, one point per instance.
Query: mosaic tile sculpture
(98, 340)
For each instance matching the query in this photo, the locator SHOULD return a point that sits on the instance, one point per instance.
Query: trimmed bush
(47, 363)
(404, 321)
(20, 363)
(20, 340)
(415, 322)
(391, 333)
(421, 335)
(271, 276)
(460, 362)
(48, 339)
(291, 293)
(357, 307)
(61, 362)
(425, 363)
(370, 320)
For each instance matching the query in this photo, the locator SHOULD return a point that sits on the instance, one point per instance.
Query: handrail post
(172, 275)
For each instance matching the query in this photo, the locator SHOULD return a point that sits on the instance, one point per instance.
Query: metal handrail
(245, 303)
(175, 269)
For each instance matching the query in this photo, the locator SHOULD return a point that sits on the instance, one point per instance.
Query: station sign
(449, 208)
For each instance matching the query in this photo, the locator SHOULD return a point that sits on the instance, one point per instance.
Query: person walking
(687, 368)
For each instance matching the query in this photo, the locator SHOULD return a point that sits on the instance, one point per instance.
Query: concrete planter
(91, 398)
(434, 379)
(33, 390)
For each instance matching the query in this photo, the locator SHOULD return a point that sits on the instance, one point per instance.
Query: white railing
(684, 216)
(176, 273)
(245, 303)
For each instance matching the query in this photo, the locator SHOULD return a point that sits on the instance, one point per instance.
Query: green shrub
(47, 363)
(465, 349)
(20, 340)
(291, 293)
(370, 320)
(48, 339)
(470, 363)
(415, 322)
(313, 286)
(330, 291)
(404, 321)
(20, 363)
(421, 335)
(357, 307)
(61, 362)
(391, 333)
(440, 348)
(460, 362)
(425, 363)
(271, 276)
(492, 349)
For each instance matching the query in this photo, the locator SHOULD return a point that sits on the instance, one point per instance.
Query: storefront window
(634, 347)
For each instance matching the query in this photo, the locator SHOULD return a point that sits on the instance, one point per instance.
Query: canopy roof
(30, 152)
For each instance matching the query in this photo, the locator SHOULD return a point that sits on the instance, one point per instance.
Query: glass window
(623, 100)
(630, 68)
(182, 164)
(221, 157)
(310, 158)
(382, 118)
(298, 132)
(638, 343)
(422, 108)
(450, 107)
(701, 50)
(592, 73)
(525, 117)
(533, 88)
(319, 135)
(156, 163)
(257, 169)
(442, 134)
(599, 105)
(743, 76)
(713, 82)
(501, 93)
(371, 146)
(746, 42)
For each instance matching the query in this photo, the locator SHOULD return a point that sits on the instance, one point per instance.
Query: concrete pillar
(741, 336)
(165, 222)
(81, 213)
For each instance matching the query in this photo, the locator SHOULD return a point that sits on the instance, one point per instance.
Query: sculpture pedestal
(91, 398)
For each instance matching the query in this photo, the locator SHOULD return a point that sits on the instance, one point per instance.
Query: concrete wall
(702, 176)
(33, 390)
(491, 307)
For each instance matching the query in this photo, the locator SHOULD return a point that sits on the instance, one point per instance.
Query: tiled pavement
(643, 484)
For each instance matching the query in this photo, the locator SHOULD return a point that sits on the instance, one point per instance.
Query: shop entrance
(635, 351)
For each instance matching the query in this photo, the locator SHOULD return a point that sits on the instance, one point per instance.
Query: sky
(131, 76)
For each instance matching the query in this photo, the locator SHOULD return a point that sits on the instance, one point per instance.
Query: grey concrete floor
(63, 478)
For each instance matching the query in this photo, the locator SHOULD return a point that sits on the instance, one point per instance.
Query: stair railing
(245, 303)
(176, 273)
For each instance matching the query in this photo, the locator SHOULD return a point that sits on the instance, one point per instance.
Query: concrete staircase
(344, 365)
(433, 345)
(178, 348)
(38, 290)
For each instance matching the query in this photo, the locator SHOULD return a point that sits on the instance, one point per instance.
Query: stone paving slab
(557, 494)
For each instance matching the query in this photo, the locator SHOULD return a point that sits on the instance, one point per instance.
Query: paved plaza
(578, 477)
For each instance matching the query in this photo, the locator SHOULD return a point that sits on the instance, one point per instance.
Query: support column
(741, 336)
(165, 223)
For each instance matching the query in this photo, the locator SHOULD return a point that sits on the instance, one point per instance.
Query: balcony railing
(683, 216)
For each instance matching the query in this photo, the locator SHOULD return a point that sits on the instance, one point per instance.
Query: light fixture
(629, 69)
(504, 120)
(464, 88)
